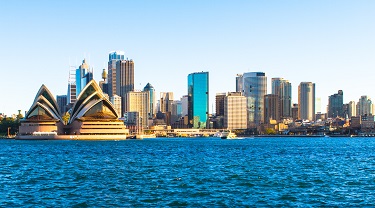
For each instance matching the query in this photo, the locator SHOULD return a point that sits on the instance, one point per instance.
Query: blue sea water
(180, 172)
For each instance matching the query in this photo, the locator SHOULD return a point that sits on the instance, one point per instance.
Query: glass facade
(198, 99)
(254, 89)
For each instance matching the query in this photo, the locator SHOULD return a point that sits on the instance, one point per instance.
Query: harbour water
(210, 172)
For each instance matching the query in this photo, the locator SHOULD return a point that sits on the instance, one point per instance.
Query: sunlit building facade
(139, 102)
(235, 114)
(124, 81)
(113, 57)
(364, 106)
(306, 101)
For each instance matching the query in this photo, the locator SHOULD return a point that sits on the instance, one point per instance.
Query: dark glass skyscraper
(336, 104)
(198, 99)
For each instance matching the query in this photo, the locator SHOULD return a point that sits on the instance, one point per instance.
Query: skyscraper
(72, 88)
(239, 83)
(139, 102)
(335, 105)
(283, 89)
(235, 114)
(166, 99)
(271, 108)
(254, 87)
(198, 100)
(219, 103)
(151, 91)
(306, 101)
(62, 101)
(364, 106)
(124, 81)
(352, 110)
(83, 76)
(114, 56)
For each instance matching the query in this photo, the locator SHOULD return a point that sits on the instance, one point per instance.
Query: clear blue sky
(331, 43)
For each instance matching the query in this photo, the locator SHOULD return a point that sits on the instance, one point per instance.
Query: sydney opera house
(92, 117)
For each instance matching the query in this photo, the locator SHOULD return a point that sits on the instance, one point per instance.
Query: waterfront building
(83, 76)
(91, 117)
(364, 106)
(306, 101)
(254, 87)
(43, 116)
(235, 113)
(335, 105)
(271, 108)
(114, 56)
(219, 104)
(352, 109)
(124, 81)
(62, 101)
(116, 102)
(139, 102)
(198, 100)
(283, 89)
(152, 108)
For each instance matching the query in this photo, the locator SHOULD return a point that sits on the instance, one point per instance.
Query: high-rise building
(198, 100)
(184, 102)
(239, 83)
(235, 113)
(62, 101)
(352, 109)
(151, 90)
(295, 111)
(72, 88)
(176, 111)
(306, 101)
(364, 106)
(335, 105)
(283, 89)
(116, 102)
(114, 56)
(219, 104)
(254, 87)
(124, 81)
(83, 76)
(271, 108)
(139, 102)
(166, 99)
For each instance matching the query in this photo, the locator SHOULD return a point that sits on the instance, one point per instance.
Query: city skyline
(327, 43)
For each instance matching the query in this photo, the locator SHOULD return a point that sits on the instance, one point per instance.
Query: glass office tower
(254, 88)
(198, 102)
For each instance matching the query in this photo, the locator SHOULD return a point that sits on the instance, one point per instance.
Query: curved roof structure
(91, 104)
(44, 106)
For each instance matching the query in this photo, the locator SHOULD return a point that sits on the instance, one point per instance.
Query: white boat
(225, 134)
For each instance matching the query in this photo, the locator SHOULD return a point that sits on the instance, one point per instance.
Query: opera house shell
(91, 117)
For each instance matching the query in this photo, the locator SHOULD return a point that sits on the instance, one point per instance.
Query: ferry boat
(225, 134)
